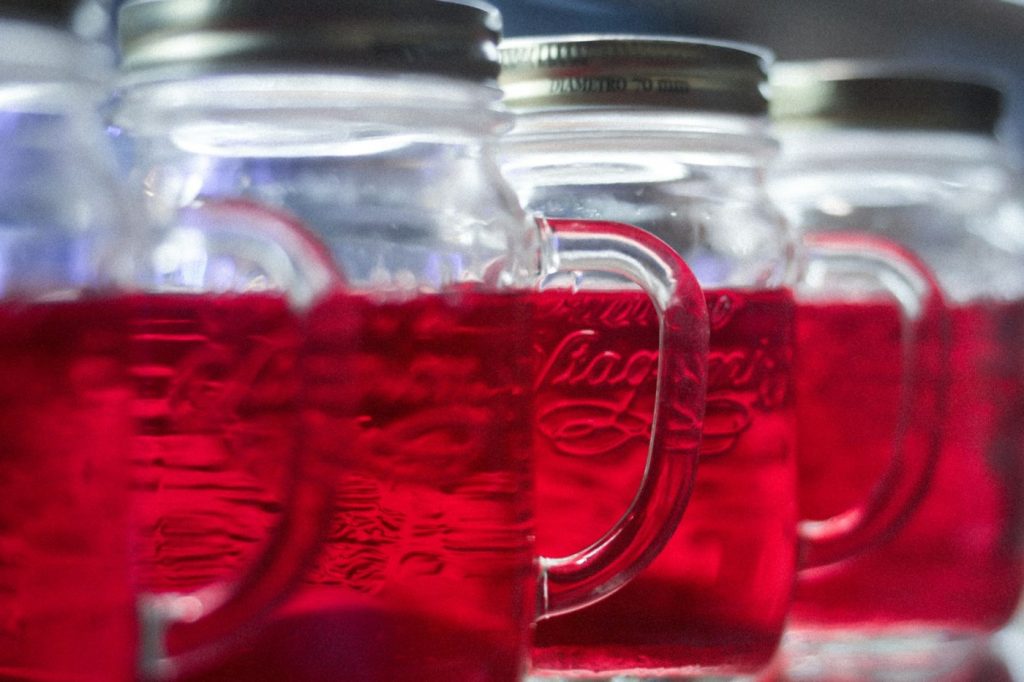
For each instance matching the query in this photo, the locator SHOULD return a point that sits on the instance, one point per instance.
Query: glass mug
(343, 197)
(66, 600)
(670, 135)
(72, 397)
(911, 157)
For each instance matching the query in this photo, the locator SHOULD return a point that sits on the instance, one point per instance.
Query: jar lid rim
(880, 94)
(540, 72)
(54, 12)
(456, 38)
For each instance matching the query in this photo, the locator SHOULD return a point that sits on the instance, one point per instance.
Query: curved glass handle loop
(569, 583)
(182, 634)
(925, 349)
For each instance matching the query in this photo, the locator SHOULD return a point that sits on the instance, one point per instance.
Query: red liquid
(958, 564)
(217, 427)
(66, 604)
(715, 599)
(848, 388)
(428, 570)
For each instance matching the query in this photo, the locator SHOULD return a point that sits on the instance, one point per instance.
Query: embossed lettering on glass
(911, 157)
(340, 262)
(671, 135)
(606, 130)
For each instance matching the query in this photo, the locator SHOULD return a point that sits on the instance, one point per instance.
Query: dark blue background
(535, 17)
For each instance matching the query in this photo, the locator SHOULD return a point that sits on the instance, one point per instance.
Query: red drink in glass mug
(683, 606)
(412, 282)
(911, 157)
(65, 587)
(688, 165)
(66, 600)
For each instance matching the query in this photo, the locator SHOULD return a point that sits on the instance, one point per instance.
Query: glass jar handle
(569, 583)
(923, 311)
(184, 633)
(204, 626)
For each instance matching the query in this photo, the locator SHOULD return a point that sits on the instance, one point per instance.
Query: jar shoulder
(958, 204)
(720, 219)
(400, 211)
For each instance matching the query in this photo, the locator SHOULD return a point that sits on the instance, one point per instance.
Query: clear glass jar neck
(889, 168)
(308, 113)
(396, 176)
(953, 198)
(595, 143)
(890, 147)
(65, 222)
(694, 179)
(42, 64)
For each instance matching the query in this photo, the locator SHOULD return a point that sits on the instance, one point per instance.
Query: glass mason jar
(912, 157)
(66, 599)
(671, 135)
(337, 268)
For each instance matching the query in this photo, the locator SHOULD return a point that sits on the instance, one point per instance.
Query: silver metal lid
(550, 72)
(455, 38)
(56, 12)
(883, 95)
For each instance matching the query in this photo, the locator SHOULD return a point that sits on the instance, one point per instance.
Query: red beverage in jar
(717, 595)
(848, 381)
(66, 603)
(427, 572)
(958, 564)
(216, 414)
